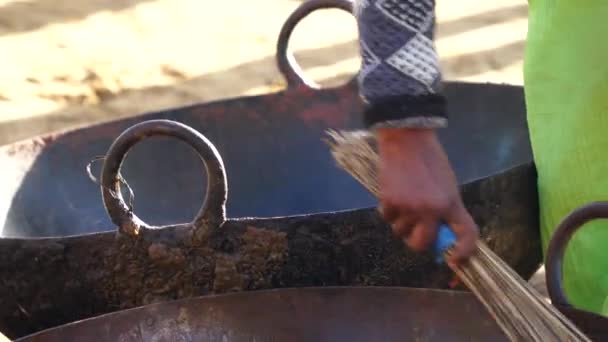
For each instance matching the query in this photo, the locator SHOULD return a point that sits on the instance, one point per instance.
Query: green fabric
(566, 85)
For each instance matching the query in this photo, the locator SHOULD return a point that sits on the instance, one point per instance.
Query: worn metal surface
(53, 281)
(276, 163)
(307, 314)
(314, 314)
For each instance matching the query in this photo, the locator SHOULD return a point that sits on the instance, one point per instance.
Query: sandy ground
(71, 63)
(68, 63)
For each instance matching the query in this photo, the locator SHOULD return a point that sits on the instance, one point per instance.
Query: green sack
(566, 85)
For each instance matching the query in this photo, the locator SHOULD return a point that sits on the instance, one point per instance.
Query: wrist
(403, 137)
(398, 134)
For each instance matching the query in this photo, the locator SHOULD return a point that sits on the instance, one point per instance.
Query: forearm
(400, 78)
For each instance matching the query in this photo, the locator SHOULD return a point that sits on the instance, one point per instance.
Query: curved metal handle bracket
(557, 247)
(212, 212)
(286, 62)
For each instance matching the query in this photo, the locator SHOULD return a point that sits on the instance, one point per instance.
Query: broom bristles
(519, 310)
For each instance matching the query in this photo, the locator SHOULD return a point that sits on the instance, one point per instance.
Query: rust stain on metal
(263, 255)
(254, 265)
(162, 255)
(227, 278)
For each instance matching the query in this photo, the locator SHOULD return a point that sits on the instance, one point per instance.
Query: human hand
(418, 190)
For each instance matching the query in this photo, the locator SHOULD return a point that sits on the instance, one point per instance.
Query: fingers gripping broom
(517, 308)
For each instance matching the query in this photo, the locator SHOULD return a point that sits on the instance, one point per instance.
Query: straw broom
(517, 308)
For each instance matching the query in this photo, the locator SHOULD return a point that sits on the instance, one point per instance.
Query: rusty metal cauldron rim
(593, 325)
(329, 289)
(325, 291)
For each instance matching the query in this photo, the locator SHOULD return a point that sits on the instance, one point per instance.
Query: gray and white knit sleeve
(400, 77)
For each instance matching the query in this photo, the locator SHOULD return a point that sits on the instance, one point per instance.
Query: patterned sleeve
(400, 77)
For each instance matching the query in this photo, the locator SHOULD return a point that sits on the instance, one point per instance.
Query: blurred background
(69, 63)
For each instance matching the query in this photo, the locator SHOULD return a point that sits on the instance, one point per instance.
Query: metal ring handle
(559, 242)
(212, 212)
(286, 62)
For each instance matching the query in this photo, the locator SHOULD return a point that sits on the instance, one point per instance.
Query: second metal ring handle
(211, 214)
(559, 242)
(286, 62)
